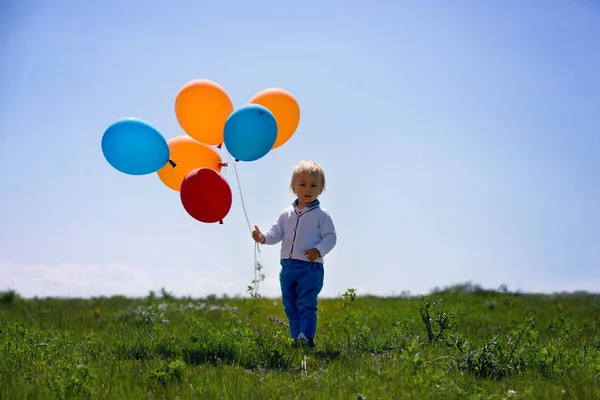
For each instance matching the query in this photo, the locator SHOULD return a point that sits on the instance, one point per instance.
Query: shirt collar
(310, 206)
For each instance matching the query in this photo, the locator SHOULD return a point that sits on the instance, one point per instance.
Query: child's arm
(275, 234)
(328, 236)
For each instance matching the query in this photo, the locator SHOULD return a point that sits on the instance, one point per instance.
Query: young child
(307, 234)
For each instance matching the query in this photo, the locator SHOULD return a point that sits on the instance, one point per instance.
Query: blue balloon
(250, 132)
(135, 147)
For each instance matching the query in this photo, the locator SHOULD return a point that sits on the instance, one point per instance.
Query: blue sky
(460, 141)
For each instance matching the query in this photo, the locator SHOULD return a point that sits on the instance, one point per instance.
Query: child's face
(307, 187)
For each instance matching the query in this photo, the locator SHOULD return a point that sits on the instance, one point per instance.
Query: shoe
(306, 341)
(301, 339)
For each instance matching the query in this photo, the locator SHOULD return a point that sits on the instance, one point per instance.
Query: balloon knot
(221, 222)
(172, 163)
(223, 164)
(219, 145)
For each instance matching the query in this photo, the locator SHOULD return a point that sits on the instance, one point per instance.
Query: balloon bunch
(189, 163)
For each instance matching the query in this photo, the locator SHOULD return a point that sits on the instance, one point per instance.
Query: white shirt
(300, 230)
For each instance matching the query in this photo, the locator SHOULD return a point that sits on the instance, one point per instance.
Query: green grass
(473, 344)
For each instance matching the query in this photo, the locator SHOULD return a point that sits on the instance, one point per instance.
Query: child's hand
(258, 236)
(312, 254)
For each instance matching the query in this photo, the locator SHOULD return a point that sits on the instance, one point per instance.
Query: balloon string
(242, 198)
(257, 273)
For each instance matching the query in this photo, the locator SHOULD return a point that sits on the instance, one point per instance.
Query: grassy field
(460, 342)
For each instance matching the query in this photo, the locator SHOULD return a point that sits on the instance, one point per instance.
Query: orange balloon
(187, 154)
(284, 107)
(202, 107)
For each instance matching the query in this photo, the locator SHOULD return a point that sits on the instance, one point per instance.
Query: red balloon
(206, 195)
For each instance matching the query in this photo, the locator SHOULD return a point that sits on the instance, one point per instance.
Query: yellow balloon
(187, 154)
(285, 109)
(202, 108)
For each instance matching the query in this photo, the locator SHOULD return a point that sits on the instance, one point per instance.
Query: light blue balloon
(135, 147)
(250, 132)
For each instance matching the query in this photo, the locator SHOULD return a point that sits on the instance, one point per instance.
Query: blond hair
(308, 167)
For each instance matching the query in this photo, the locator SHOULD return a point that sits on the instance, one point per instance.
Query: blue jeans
(301, 282)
